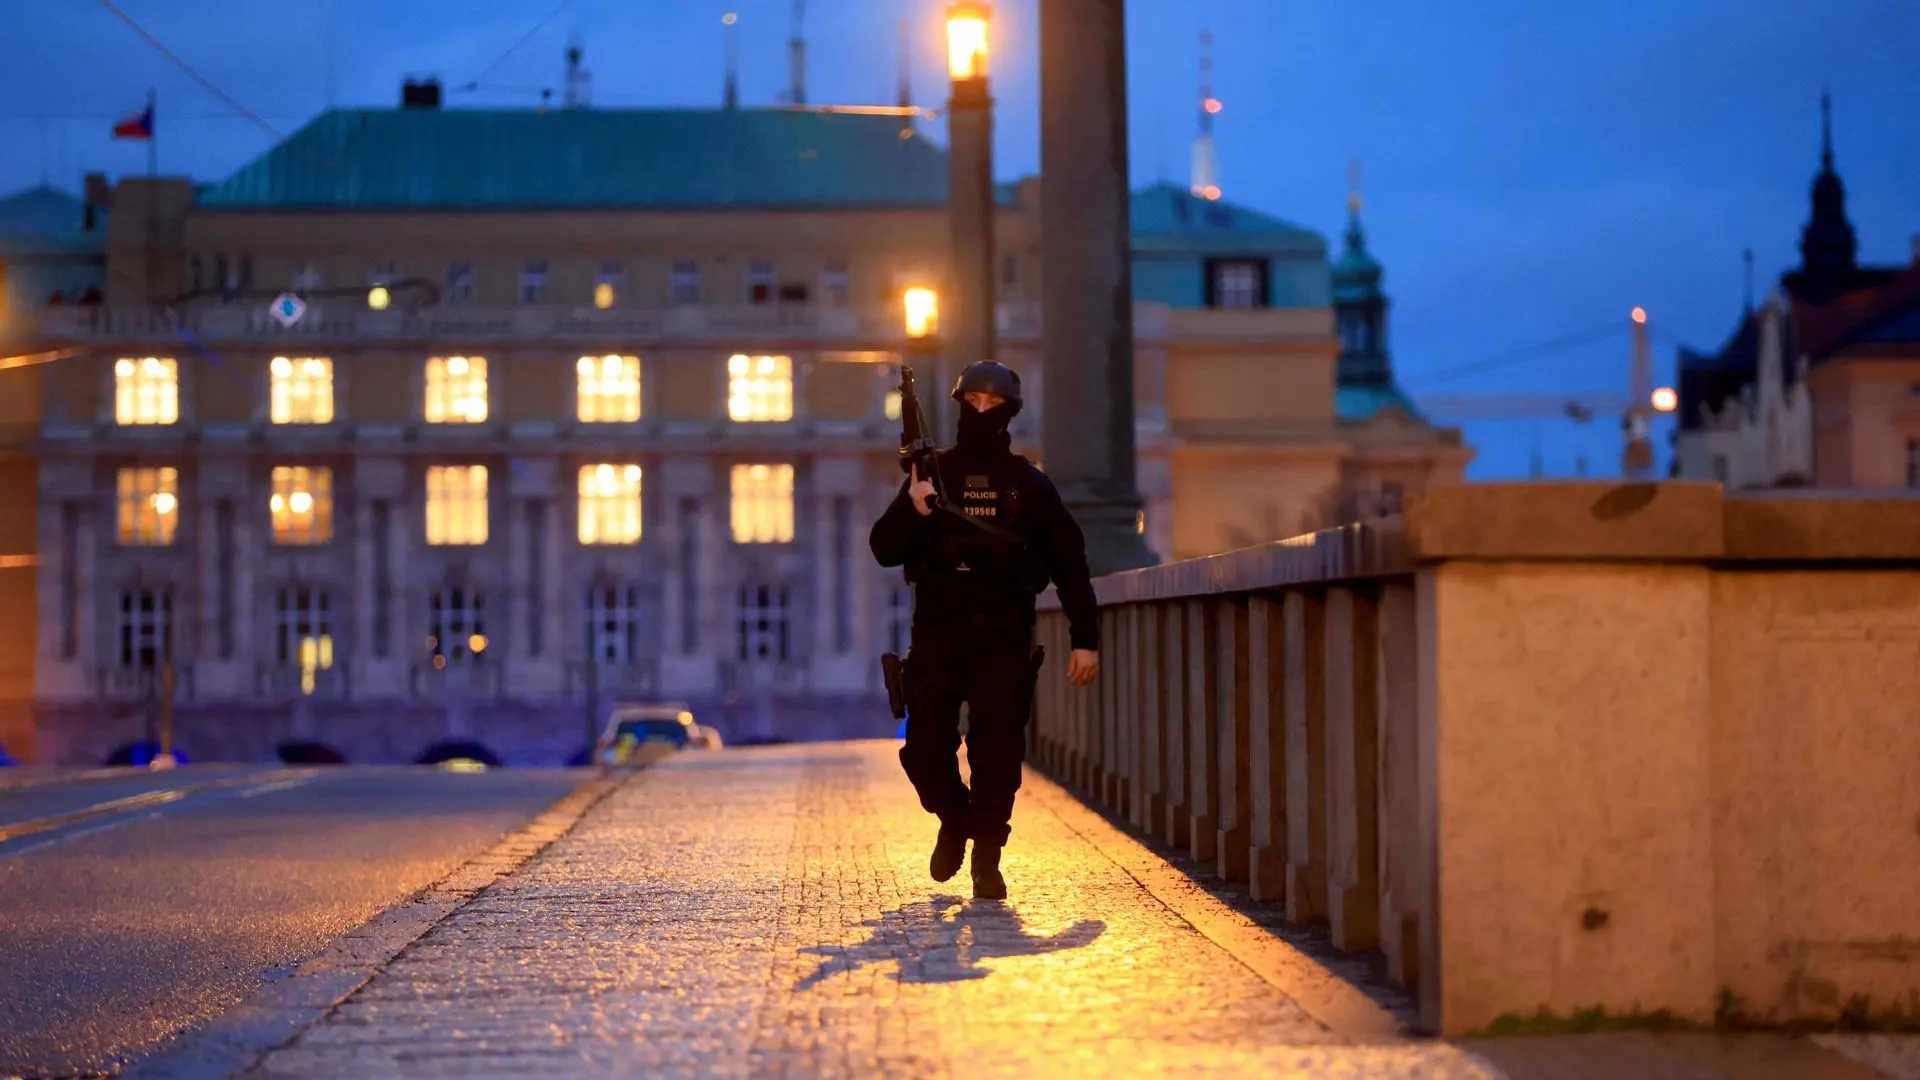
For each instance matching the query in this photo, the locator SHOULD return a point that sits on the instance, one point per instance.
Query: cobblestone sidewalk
(766, 912)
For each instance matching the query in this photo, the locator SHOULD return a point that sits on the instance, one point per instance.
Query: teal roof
(1357, 404)
(590, 158)
(47, 221)
(1165, 215)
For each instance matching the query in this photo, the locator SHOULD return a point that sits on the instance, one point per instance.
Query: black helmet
(988, 377)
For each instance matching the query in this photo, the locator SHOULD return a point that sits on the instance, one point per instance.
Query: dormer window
(1236, 283)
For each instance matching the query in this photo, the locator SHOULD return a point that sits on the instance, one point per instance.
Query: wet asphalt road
(121, 930)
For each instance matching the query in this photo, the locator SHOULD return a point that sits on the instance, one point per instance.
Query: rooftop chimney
(420, 93)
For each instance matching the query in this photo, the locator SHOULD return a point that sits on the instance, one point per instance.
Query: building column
(360, 642)
(1087, 291)
(683, 671)
(382, 480)
(662, 536)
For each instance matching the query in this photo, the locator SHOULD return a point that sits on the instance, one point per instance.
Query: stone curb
(242, 1035)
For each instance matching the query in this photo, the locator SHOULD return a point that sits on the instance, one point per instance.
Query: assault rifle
(918, 450)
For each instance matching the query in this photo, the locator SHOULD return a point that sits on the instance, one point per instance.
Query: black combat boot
(949, 851)
(987, 882)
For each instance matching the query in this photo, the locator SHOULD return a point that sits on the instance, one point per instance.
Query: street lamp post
(970, 336)
(1087, 437)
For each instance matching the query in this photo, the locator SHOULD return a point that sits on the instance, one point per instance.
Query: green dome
(1356, 275)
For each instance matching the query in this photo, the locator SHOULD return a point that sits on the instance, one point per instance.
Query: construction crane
(1636, 409)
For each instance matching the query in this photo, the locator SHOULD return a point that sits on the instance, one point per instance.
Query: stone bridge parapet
(1553, 745)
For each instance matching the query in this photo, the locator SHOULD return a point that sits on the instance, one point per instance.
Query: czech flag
(137, 126)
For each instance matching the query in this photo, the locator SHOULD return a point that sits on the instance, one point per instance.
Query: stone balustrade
(1544, 745)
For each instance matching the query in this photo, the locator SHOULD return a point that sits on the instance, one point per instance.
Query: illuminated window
(456, 389)
(609, 504)
(149, 501)
(762, 504)
(456, 504)
(613, 624)
(892, 404)
(302, 504)
(759, 388)
(763, 631)
(303, 632)
(301, 390)
(456, 626)
(146, 391)
(608, 389)
(608, 284)
(146, 628)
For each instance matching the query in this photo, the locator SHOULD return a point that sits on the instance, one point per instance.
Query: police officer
(977, 548)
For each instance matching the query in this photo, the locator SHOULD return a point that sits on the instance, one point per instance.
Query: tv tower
(1206, 160)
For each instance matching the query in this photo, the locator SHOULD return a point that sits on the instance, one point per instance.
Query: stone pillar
(1150, 808)
(1231, 710)
(1402, 876)
(1087, 437)
(1203, 743)
(968, 314)
(1305, 752)
(1351, 670)
(1173, 723)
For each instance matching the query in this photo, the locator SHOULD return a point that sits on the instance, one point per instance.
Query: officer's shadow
(932, 946)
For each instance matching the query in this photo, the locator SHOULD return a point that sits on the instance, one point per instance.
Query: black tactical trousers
(992, 671)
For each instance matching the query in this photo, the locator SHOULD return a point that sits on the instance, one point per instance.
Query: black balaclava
(984, 434)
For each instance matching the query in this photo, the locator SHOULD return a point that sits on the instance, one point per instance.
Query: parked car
(637, 734)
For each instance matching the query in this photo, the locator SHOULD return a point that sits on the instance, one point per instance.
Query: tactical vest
(966, 562)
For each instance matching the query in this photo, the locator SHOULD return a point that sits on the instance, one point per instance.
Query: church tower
(1829, 252)
(1359, 305)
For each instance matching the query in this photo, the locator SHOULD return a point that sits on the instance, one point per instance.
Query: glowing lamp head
(1640, 315)
(921, 306)
(1212, 105)
(967, 41)
(378, 298)
(1665, 400)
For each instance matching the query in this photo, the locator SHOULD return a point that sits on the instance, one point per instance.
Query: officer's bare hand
(1082, 666)
(921, 491)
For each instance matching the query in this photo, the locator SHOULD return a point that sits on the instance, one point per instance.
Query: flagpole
(153, 138)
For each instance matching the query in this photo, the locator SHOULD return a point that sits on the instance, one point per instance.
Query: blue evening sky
(1531, 170)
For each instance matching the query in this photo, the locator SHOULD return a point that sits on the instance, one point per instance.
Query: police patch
(979, 481)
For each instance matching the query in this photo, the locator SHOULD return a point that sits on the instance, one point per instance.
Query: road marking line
(279, 786)
(64, 837)
(32, 782)
(134, 802)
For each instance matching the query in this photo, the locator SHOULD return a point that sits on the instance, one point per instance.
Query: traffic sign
(288, 308)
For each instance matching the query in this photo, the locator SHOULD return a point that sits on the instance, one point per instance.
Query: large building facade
(583, 406)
